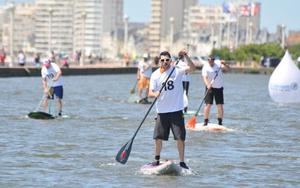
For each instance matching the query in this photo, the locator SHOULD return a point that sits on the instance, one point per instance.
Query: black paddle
(133, 88)
(124, 152)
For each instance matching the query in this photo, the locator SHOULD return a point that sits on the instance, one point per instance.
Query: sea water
(79, 151)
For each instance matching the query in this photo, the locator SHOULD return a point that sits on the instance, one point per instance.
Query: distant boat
(284, 83)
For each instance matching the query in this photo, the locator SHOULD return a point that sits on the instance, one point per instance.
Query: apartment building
(19, 29)
(54, 26)
(167, 18)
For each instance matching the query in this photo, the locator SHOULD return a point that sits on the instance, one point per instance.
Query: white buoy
(284, 83)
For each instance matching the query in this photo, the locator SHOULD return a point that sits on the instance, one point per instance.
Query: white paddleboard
(210, 127)
(191, 113)
(167, 167)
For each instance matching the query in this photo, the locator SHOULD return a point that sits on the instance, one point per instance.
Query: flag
(245, 10)
(252, 9)
(228, 8)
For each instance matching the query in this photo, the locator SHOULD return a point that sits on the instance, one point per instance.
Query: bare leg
(158, 146)
(220, 110)
(147, 91)
(140, 92)
(180, 147)
(207, 111)
(59, 105)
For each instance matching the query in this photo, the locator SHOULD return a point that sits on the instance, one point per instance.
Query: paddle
(191, 123)
(124, 152)
(133, 88)
(44, 97)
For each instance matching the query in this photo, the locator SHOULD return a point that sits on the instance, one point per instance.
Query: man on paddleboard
(143, 75)
(52, 81)
(213, 80)
(169, 104)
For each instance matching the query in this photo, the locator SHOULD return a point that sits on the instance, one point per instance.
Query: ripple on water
(79, 151)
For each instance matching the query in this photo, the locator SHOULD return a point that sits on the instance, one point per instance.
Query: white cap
(145, 55)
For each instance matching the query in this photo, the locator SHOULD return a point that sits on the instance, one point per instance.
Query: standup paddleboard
(210, 127)
(167, 167)
(191, 113)
(143, 102)
(40, 115)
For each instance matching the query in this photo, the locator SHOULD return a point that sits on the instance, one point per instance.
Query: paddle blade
(191, 123)
(124, 152)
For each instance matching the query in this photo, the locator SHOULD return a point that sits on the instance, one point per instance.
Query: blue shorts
(58, 92)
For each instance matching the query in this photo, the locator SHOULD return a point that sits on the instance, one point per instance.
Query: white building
(94, 20)
(208, 26)
(76, 25)
(54, 26)
(167, 18)
(18, 23)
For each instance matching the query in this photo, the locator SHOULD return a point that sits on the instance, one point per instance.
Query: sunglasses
(163, 60)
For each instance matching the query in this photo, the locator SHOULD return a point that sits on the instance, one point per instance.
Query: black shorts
(167, 121)
(214, 93)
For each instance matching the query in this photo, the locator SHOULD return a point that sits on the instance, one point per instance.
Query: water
(79, 151)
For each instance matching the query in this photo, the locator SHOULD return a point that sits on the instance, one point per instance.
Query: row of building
(99, 27)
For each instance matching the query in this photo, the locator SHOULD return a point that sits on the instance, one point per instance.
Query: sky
(273, 12)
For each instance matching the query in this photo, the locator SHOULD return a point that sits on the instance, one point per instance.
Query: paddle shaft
(206, 93)
(134, 86)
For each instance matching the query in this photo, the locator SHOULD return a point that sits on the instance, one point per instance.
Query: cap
(46, 63)
(145, 55)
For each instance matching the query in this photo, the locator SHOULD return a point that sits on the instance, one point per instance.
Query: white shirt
(145, 68)
(183, 64)
(211, 72)
(21, 58)
(170, 99)
(50, 73)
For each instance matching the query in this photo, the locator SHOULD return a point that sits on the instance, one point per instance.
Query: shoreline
(100, 69)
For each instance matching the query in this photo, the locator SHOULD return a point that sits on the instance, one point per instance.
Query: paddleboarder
(169, 104)
(143, 75)
(213, 71)
(52, 81)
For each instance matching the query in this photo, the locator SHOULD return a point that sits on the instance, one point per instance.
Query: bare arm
(225, 66)
(153, 93)
(45, 86)
(59, 73)
(207, 82)
(191, 64)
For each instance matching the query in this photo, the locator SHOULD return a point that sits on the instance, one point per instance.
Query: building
(293, 38)
(54, 26)
(2, 16)
(167, 18)
(211, 26)
(76, 25)
(18, 28)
